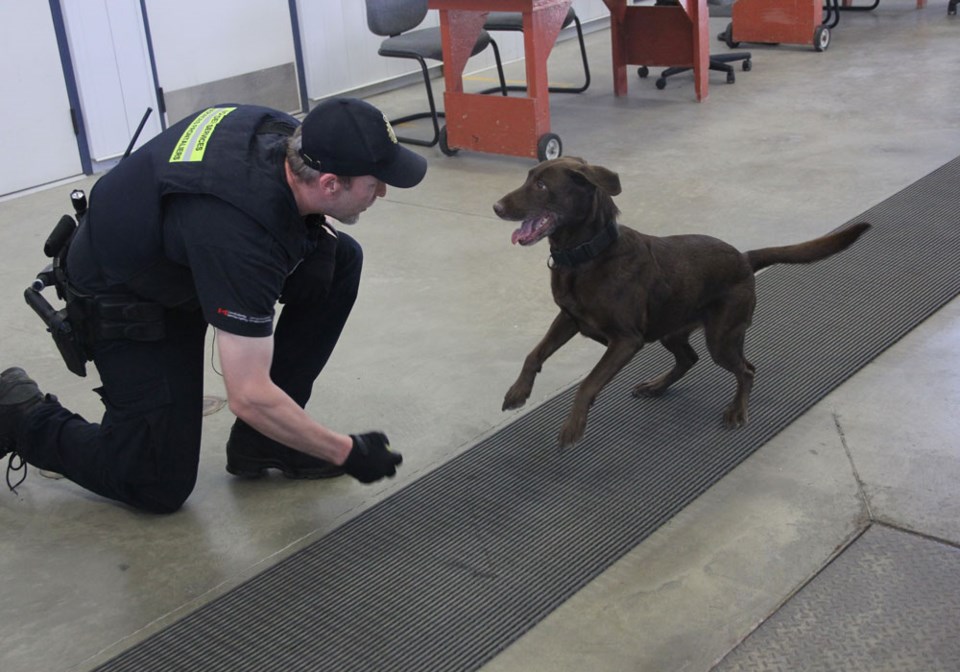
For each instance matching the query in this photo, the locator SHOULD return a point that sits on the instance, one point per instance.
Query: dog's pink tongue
(523, 234)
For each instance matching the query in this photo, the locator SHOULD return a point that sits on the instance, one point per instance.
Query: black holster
(86, 319)
(74, 352)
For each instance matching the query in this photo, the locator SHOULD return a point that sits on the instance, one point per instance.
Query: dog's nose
(498, 208)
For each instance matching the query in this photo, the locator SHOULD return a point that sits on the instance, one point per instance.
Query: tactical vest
(232, 152)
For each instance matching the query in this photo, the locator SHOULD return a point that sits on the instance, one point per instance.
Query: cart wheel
(731, 78)
(643, 71)
(444, 147)
(661, 83)
(727, 36)
(821, 38)
(549, 146)
(747, 65)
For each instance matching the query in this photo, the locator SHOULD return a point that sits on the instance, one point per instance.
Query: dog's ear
(600, 177)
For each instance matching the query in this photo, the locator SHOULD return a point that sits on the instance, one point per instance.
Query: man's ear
(329, 183)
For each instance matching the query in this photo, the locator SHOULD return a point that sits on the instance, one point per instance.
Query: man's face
(355, 196)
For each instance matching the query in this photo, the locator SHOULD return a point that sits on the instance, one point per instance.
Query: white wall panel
(199, 42)
(339, 51)
(36, 133)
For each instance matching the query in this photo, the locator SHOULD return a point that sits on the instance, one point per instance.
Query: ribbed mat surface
(453, 568)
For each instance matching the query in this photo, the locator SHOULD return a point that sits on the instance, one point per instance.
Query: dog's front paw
(734, 417)
(516, 397)
(573, 430)
(651, 388)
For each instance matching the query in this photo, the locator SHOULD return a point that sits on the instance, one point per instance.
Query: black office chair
(397, 21)
(718, 62)
(513, 21)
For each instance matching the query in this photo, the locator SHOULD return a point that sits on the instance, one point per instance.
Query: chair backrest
(392, 17)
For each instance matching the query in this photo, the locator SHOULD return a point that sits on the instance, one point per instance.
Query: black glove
(371, 458)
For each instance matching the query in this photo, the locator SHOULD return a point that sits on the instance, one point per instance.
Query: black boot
(18, 395)
(250, 453)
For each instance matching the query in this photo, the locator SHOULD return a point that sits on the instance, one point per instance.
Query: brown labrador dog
(623, 288)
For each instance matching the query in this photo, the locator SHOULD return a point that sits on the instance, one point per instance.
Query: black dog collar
(588, 250)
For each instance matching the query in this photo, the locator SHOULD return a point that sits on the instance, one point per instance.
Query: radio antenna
(136, 134)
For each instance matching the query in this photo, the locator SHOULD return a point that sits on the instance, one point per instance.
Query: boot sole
(257, 469)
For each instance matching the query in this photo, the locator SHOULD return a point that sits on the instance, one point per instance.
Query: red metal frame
(660, 36)
(776, 21)
(781, 21)
(493, 123)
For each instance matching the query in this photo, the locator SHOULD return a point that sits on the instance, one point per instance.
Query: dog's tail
(808, 252)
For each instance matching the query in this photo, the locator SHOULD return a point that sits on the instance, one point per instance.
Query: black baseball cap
(350, 137)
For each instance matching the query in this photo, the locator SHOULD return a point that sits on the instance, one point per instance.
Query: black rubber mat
(888, 603)
(453, 568)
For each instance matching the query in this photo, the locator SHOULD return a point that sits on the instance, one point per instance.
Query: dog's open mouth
(535, 228)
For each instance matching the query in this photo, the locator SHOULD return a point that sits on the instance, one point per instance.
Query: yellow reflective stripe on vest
(193, 142)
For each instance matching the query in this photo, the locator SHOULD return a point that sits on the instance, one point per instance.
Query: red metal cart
(520, 126)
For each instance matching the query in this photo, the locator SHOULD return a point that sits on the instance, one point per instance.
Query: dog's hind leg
(561, 330)
(726, 349)
(686, 357)
(725, 328)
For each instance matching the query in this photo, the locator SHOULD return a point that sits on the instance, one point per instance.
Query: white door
(108, 46)
(223, 51)
(36, 130)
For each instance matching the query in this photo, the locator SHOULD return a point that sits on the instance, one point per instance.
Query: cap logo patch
(393, 136)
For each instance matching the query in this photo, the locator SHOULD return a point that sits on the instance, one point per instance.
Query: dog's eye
(540, 184)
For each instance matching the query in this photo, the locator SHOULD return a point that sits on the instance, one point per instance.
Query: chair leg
(433, 115)
(586, 65)
(496, 57)
(551, 89)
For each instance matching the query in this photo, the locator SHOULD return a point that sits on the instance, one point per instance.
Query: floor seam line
(861, 486)
(900, 527)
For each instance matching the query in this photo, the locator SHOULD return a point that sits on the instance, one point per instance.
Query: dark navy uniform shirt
(199, 217)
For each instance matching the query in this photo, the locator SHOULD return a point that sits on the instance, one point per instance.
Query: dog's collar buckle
(587, 251)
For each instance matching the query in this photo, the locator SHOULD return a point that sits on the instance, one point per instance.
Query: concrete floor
(448, 309)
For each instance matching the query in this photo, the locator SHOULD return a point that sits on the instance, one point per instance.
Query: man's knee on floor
(157, 484)
(162, 498)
